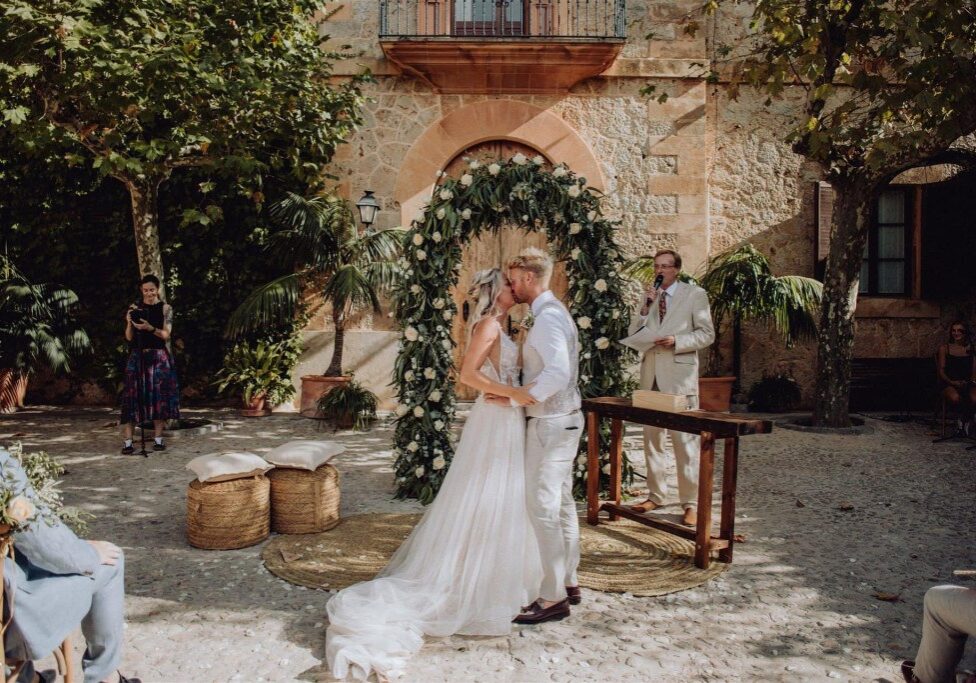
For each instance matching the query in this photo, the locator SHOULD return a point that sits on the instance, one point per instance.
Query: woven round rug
(617, 557)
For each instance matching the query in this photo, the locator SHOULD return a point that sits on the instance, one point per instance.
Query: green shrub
(777, 393)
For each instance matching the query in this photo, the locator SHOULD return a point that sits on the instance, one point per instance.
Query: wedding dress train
(467, 567)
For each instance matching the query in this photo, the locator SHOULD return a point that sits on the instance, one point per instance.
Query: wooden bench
(892, 383)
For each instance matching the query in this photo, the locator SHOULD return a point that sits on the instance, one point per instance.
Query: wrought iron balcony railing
(502, 19)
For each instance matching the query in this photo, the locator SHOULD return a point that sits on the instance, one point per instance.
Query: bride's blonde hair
(485, 287)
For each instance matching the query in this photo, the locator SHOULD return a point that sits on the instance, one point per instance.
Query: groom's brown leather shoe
(538, 614)
(573, 595)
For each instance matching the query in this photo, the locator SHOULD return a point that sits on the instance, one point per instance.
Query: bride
(471, 562)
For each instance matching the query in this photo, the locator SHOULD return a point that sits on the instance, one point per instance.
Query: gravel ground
(798, 604)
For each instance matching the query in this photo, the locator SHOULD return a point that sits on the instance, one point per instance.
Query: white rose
(439, 425)
(419, 218)
(19, 510)
(446, 343)
(475, 164)
(586, 355)
(538, 160)
(575, 253)
(525, 217)
(415, 289)
(605, 469)
(441, 212)
(466, 214)
(574, 228)
(401, 410)
(615, 314)
(467, 179)
(419, 472)
(584, 379)
(408, 375)
(436, 236)
(418, 411)
(591, 216)
(413, 447)
(600, 285)
(573, 191)
(438, 463)
(421, 255)
(411, 334)
(429, 374)
(494, 169)
(602, 343)
(418, 239)
(560, 172)
(438, 303)
(583, 323)
(435, 396)
(447, 314)
(519, 159)
(446, 194)
(439, 174)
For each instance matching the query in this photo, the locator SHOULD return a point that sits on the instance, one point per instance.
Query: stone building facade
(697, 172)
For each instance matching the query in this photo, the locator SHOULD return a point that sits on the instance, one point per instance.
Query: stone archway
(466, 126)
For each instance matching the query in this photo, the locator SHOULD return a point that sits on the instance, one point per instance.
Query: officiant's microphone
(657, 285)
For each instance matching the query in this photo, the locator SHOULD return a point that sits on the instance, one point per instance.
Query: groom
(550, 359)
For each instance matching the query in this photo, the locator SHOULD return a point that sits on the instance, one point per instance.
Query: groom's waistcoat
(550, 358)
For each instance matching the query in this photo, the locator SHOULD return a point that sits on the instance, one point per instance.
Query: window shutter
(823, 209)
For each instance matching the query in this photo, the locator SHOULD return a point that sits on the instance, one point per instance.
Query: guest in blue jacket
(56, 582)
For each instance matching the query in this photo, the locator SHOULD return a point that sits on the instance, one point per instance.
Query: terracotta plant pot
(715, 393)
(13, 389)
(256, 407)
(315, 387)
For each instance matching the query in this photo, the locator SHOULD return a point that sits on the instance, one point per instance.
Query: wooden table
(710, 426)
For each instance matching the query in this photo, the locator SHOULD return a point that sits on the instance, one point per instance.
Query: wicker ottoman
(302, 501)
(228, 514)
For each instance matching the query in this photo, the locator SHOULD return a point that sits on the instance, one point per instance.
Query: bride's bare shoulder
(486, 329)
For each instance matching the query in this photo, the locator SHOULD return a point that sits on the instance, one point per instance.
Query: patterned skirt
(159, 386)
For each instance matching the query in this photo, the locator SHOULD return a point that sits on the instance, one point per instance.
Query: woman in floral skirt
(154, 393)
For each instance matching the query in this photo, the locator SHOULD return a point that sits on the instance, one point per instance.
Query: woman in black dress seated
(151, 391)
(957, 374)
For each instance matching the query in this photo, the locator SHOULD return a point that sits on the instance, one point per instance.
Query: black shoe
(123, 679)
(159, 447)
(128, 450)
(538, 614)
(573, 595)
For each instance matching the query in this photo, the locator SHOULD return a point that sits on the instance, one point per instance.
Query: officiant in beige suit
(669, 329)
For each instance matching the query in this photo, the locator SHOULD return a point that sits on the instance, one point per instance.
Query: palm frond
(349, 286)
(383, 245)
(271, 303)
(309, 234)
(640, 269)
(795, 303)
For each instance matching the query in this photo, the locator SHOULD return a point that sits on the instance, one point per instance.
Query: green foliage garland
(517, 192)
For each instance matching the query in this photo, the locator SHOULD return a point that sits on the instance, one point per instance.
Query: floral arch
(517, 191)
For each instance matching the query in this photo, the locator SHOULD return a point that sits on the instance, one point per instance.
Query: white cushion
(215, 467)
(304, 455)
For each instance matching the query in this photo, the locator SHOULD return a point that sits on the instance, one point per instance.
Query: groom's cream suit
(674, 370)
(550, 359)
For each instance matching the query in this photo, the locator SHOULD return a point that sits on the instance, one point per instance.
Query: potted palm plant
(37, 329)
(351, 406)
(742, 288)
(319, 237)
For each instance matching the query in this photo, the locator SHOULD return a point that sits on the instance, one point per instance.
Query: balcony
(502, 46)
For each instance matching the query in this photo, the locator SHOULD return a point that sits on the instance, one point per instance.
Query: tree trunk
(144, 195)
(737, 353)
(335, 367)
(835, 345)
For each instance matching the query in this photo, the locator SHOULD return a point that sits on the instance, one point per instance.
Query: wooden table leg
(592, 468)
(616, 464)
(730, 472)
(706, 476)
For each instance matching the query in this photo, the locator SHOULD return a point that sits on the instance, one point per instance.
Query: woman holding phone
(151, 390)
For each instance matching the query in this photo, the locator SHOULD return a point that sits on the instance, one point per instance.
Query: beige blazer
(689, 320)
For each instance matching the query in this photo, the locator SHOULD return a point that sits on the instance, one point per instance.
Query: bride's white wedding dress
(468, 566)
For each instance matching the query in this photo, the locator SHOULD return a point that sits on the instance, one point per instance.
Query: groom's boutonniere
(527, 322)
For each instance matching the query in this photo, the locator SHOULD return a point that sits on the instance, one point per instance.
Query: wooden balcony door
(493, 249)
(490, 17)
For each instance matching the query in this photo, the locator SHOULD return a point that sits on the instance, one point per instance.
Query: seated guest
(957, 374)
(57, 581)
(949, 619)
